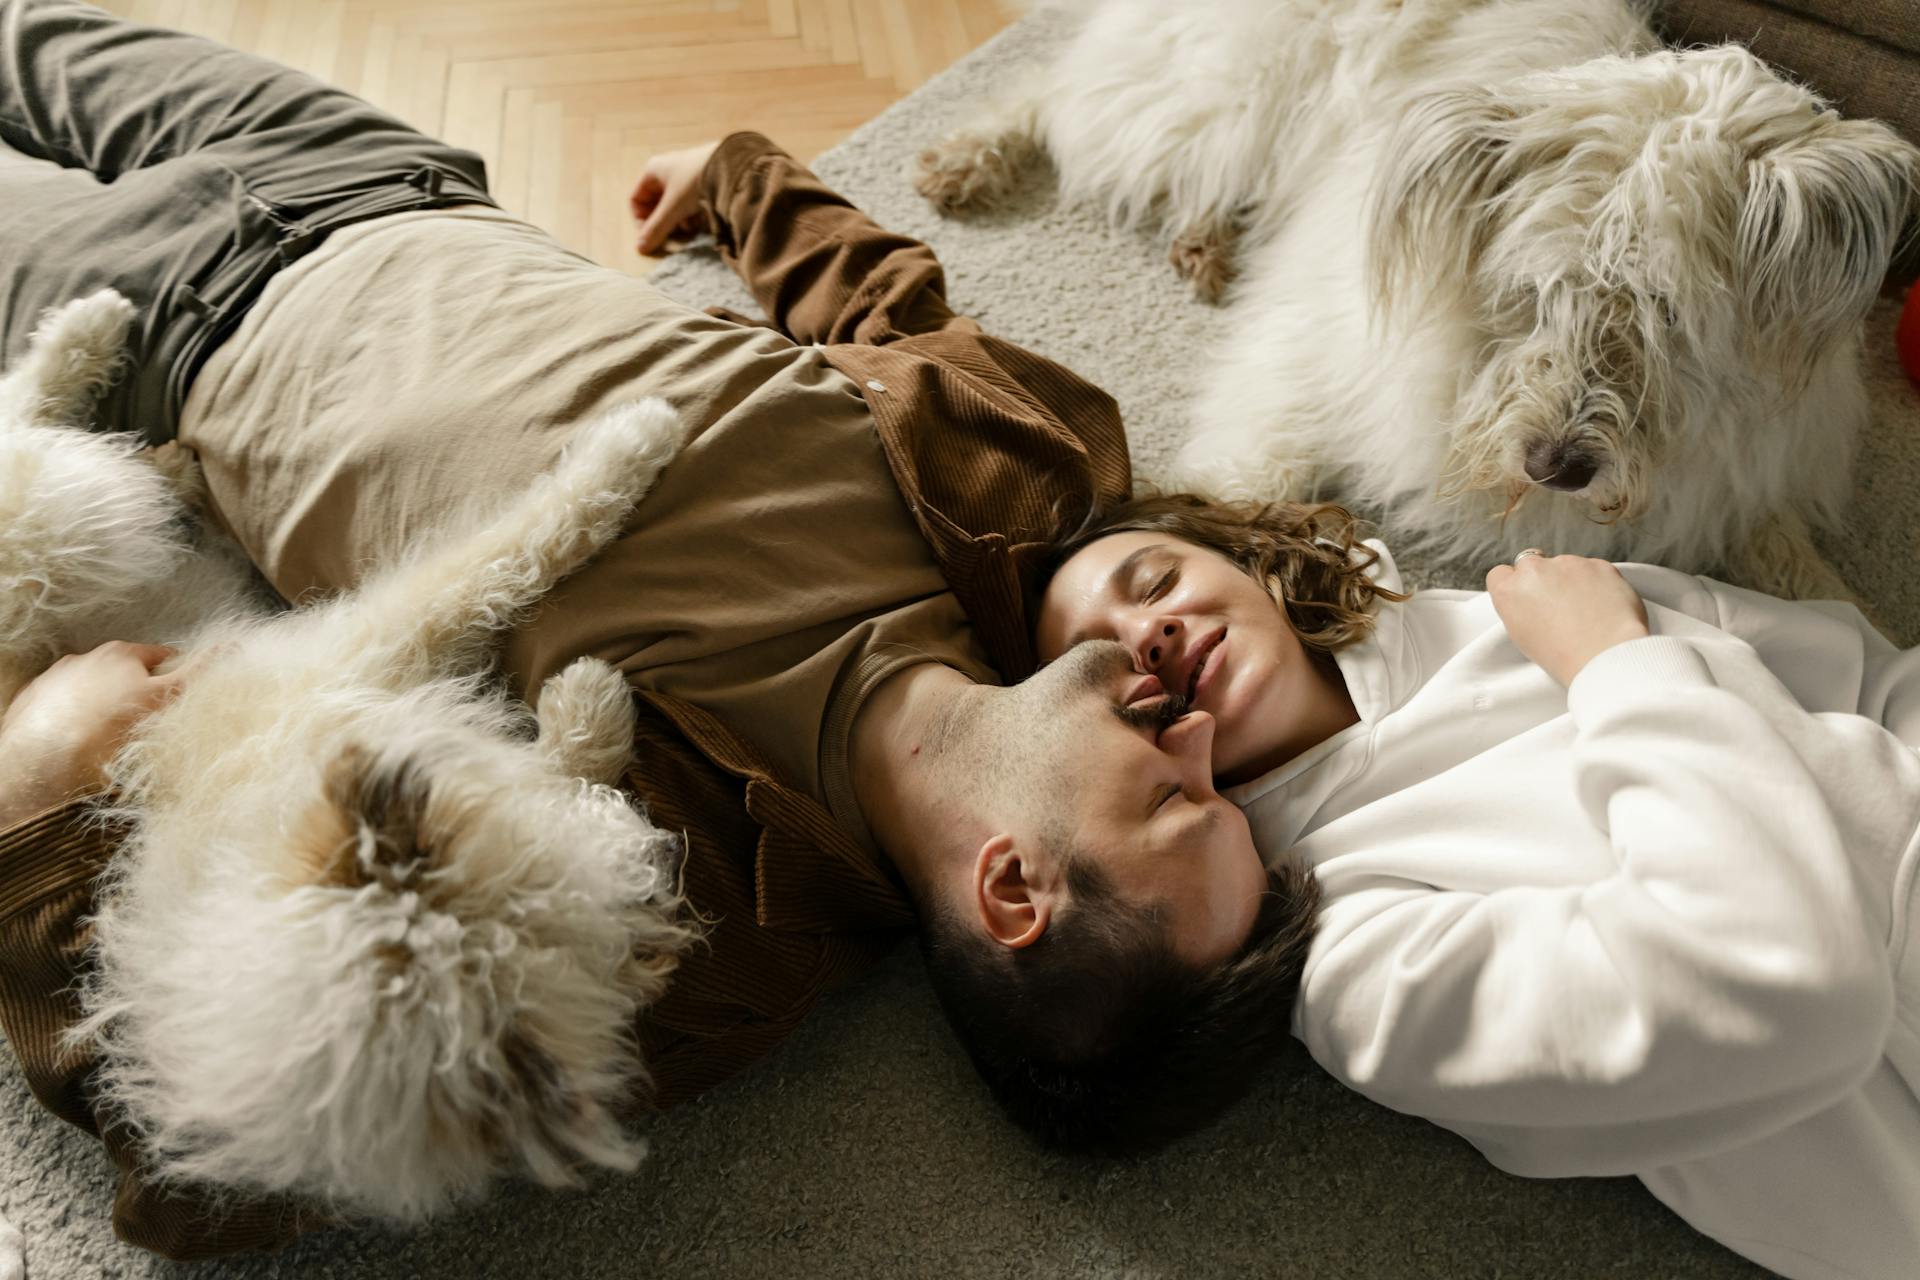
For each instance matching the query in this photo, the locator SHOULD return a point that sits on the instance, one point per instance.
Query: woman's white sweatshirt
(1655, 923)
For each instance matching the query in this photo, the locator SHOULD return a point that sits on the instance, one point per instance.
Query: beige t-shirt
(421, 361)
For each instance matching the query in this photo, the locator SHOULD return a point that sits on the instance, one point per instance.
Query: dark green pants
(183, 174)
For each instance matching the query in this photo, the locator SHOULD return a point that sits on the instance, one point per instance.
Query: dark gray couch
(1863, 55)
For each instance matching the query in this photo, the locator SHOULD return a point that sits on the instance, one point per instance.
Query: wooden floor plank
(245, 32)
(323, 41)
(483, 10)
(607, 197)
(647, 64)
(876, 50)
(212, 19)
(532, 35)
(983, 19)
(902, 47)
(376, 65)
(574, 226)
(949, 30)
(430, 89)
(475, 107)
(816, 30)
(350, 60)
(278, 39)
(566, 99)
(403, 78)
(510, 171)
(546, 176)
(455, 16)
(718, 92)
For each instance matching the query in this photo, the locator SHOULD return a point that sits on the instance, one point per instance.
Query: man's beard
(1100, 662)
(1158, 714)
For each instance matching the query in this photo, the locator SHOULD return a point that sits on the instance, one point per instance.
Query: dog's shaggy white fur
(89, 530)
(1514, 274)
(370, 941)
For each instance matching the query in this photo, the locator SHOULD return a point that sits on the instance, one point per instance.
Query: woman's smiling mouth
(1200, 674)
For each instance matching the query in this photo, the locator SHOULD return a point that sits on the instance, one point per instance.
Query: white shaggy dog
(1515, 275)
(95, 542)
(369, 942)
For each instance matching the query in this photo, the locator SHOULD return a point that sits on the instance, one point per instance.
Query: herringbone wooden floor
(567, 98)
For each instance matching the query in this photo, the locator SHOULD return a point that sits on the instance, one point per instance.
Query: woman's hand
(666, 200)
(59, 733)
(1562, 610)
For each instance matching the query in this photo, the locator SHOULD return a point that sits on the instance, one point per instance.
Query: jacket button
(874, 384)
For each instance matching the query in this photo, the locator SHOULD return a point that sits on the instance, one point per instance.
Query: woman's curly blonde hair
(1308, 554)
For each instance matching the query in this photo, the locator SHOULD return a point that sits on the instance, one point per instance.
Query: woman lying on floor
(1617, 863)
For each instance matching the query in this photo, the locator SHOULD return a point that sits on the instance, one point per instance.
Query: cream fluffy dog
(371, 941)
(1514, 274)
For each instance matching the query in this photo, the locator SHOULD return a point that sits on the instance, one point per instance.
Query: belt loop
(296, 243)
(427, 178)
(193, 302)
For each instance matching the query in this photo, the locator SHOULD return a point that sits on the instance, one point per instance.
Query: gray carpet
(863, 1147)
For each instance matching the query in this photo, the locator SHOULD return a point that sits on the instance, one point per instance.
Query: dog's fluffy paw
(99, 320)
(73, 356)
(1779, 558)
(586, 721)
(1202, 255)
(970, 171)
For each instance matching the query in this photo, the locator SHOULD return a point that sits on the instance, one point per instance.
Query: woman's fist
(666, 199)
(1562, 610)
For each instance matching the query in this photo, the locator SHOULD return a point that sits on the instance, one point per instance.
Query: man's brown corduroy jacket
(989, 444)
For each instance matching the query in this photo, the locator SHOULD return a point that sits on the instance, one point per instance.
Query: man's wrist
(731, 156)
(21, 803)
(31, 785)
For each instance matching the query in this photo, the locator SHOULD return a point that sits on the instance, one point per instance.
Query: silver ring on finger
(1530, 551)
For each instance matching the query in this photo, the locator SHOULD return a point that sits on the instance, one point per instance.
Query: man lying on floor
(353, 339)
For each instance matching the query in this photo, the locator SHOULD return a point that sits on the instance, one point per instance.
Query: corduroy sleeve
(822, 270)
(48, 868)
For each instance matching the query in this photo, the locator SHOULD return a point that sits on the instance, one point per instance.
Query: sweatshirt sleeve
(1720, 984)
(48, 866)
(821, 270)
(1826, 653)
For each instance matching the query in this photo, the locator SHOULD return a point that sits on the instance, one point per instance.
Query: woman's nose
(1155, 642)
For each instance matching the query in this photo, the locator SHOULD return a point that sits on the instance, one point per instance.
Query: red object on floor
(1908, 335)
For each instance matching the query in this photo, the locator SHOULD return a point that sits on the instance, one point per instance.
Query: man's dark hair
(1096, 1037)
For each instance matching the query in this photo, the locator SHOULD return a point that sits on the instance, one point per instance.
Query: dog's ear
(1823, 215)
(1430, 209)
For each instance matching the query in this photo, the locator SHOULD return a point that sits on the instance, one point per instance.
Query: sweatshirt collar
(1380, 670)
(1376, 667)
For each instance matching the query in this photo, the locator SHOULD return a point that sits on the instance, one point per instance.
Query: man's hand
(666, 200)
(1562, 610)
(58, 735)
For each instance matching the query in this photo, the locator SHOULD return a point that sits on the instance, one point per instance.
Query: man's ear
(1013, 904)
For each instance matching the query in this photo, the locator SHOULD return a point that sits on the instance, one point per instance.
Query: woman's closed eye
(1162, 584)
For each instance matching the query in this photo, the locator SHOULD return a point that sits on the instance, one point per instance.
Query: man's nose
(1190, 741)
(1155, 642)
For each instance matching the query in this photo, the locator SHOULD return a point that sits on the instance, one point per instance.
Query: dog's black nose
(1558, 467)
